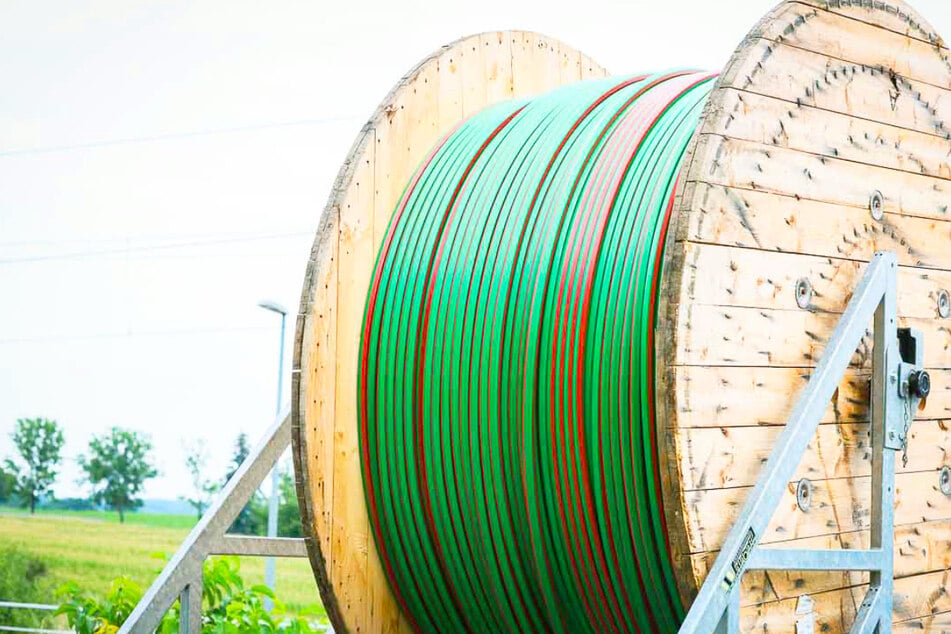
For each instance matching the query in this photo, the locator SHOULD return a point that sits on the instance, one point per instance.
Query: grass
(132, 519)
(92, 548)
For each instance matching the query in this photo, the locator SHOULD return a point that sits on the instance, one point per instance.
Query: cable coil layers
(506, 373)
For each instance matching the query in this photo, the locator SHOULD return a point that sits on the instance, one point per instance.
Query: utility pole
(270, 569)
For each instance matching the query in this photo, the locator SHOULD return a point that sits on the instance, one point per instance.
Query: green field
(91, 548)
(131, 519)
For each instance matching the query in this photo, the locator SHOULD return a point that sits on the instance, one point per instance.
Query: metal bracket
(182, 576)
(897, 377)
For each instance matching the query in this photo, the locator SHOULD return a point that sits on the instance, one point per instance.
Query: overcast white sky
(163, 165)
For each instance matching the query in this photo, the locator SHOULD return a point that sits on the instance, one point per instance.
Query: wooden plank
(404, 136)
(834, 610)
(473, 73)
(591, 69)
(713, 397)
(850, 40)
(747, 165)
(551, 71)
(723, 457)
(861, 90)
(313, 421)
(740, 336)
(570, 61)
(720, 396)
(938, 623)
(528, 79)
(320, 342)
(920, 595)
(919, 548)
(838, 505)
(348, 572)
(449, 90)
(423, 132)
(769, 121)
(497, 57)
(780, 222)
(731, 276)
(383, 612)
(892, 16)
(387, 159)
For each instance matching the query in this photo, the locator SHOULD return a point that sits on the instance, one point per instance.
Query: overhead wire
(150, 248)
(171, 136)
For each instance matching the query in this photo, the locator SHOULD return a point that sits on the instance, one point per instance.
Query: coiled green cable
(506, 379)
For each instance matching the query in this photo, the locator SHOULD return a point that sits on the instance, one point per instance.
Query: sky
(163, 165)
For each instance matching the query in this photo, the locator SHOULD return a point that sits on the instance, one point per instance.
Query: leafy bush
(23, 579)
(228, 607)
(88, 615)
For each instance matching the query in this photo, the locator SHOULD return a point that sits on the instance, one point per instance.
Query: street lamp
(270, 571)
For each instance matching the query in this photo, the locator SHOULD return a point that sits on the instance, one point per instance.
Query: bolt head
(803, 292)
(876, 204)
(944, 480)
(919, 383)
(804, 495)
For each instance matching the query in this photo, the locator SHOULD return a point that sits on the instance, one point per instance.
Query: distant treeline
(116, 467)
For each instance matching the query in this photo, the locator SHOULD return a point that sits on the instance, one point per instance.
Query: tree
(117, 467)
(39, 442)
(196, 458)
(288, 513)
(249, 521)
(8, 483)
(241, 451)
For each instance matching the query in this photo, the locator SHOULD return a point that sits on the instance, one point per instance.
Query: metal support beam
(795, 559)
(892, 399)
(189, 618)
(259, 546)
(182, 576)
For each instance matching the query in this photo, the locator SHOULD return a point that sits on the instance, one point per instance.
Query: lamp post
(270, 571)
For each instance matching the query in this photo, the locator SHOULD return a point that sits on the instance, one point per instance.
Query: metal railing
(14, 605)
(181, 579)
(898, 381)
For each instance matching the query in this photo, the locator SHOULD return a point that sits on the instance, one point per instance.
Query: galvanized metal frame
(182, 576)
(16, 605)
(717, 605)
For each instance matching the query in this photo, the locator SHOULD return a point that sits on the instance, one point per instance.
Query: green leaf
(262, 590)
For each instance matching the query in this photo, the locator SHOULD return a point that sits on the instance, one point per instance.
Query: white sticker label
(806, 615)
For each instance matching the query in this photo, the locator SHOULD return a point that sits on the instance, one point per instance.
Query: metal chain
(906, 407)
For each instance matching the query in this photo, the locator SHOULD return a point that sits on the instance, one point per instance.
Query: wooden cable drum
(826, 112)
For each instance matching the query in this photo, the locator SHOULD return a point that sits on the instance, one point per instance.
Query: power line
(140, 333)
(172, 136)
(146, 248)
(144, 237)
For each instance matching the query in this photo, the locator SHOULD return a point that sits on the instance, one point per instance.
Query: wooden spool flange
(454, 82)
(823, 104)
